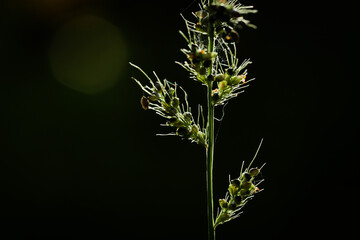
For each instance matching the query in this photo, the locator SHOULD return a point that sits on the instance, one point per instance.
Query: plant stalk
(210, 148)
(209, 167)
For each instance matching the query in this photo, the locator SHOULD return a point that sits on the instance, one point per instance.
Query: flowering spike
(211, 59)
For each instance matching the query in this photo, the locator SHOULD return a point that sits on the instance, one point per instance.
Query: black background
(82, 166)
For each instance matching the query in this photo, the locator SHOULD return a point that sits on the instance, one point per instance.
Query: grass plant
(211, 60)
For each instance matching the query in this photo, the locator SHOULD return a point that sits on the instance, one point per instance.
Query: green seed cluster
(162, 97)
(223, 19)
(200, 61)
(241, 190)
(227, 83)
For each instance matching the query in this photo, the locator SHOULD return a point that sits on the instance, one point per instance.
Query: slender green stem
(210, 148)
(209, 167)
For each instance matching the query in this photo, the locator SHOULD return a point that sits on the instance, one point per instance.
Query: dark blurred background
(80, 159)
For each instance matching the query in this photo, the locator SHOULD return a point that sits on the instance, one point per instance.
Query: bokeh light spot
(87, 54)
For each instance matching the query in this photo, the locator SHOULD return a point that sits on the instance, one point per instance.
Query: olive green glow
(87, 54)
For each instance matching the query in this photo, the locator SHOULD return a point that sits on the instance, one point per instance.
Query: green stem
(210, 148)
(209, 166)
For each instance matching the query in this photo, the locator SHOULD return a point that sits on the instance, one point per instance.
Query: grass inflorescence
(211, 59)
